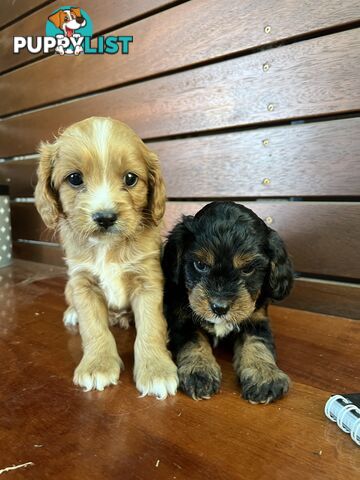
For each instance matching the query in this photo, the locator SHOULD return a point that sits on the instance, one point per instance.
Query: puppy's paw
(200, 382)
(99, 372)
(156, 376)
(122, 319)
(264, 384)
(70, 319)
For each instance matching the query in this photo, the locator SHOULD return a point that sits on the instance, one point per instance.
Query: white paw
(78, 50)
(156, 376)
(70, 318)
(98, 373)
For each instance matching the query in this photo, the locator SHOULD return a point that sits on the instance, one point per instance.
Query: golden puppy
(101, 187)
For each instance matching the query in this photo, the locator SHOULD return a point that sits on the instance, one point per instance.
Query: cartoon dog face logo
(68, 20)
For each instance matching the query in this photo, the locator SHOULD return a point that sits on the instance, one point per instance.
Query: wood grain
(12, 9)
(42, 254)
(236, 164)
(333, 298)
(314, 77)
(315, 159)
(190, 33)
(105, 15)
(322, 238)
(314, 232)
(26, 224)
(21, 177)
(116, 434)
(307, 338)
(320, 296)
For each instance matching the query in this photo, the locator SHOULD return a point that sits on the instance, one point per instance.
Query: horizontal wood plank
(190, 33)
(314, 232)
(52, 255)
(105, 15)
(12, 9)
(325, 61)
(313, 77)
(20, 175)
(26, 224)
(315, 159)
(333, 298)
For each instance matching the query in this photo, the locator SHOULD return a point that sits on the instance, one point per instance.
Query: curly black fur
(247, 267)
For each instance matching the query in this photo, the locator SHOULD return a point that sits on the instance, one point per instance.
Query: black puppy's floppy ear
(174, 249)
(281, 276)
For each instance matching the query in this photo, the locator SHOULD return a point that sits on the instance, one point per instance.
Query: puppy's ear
(177, 242)
(156, 194)
(45, 197)
(55, 18)
(281, 275)
(76, 12)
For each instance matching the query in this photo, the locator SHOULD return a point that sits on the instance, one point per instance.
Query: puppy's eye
(75, 179)
(200, 266)
(130, 179)
(66, 19)
(248, 270)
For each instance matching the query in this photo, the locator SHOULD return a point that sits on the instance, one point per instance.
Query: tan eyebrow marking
(240, 260)
(205, 256)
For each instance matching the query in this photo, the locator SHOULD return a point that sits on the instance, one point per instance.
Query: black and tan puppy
(222, 268)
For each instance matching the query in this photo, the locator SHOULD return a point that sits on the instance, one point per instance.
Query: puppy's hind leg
(199, 373)
(101, 364)
(261, 379)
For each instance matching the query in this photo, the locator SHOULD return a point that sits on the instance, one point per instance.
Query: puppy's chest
(220, 330)
(111, 277)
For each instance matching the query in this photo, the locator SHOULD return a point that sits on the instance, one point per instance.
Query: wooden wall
(252, 101)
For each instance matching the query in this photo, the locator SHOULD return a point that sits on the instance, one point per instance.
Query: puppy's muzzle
(220, 307)
(105, 219)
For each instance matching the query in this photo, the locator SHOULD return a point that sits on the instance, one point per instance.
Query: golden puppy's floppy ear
(76, 12)
(45, 196)
(157, 194)
(57, 18)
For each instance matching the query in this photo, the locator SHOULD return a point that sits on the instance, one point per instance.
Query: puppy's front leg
(101, 364)
(199, 373)
(254, 361)
(154, 371)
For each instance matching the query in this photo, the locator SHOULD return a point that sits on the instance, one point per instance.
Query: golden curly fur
(114, 269)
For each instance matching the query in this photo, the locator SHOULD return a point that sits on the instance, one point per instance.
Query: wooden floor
(68, 434)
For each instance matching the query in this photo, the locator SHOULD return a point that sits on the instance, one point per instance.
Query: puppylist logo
(69, 32)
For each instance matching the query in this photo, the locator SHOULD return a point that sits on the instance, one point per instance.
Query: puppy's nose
(104, 219)
(80, 19)
(220, 308)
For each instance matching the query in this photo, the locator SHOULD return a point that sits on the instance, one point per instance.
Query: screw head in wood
(265, 142)
(269, 220)
(266, 66)
(266, 181)
(270, 107)
(267, 29)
